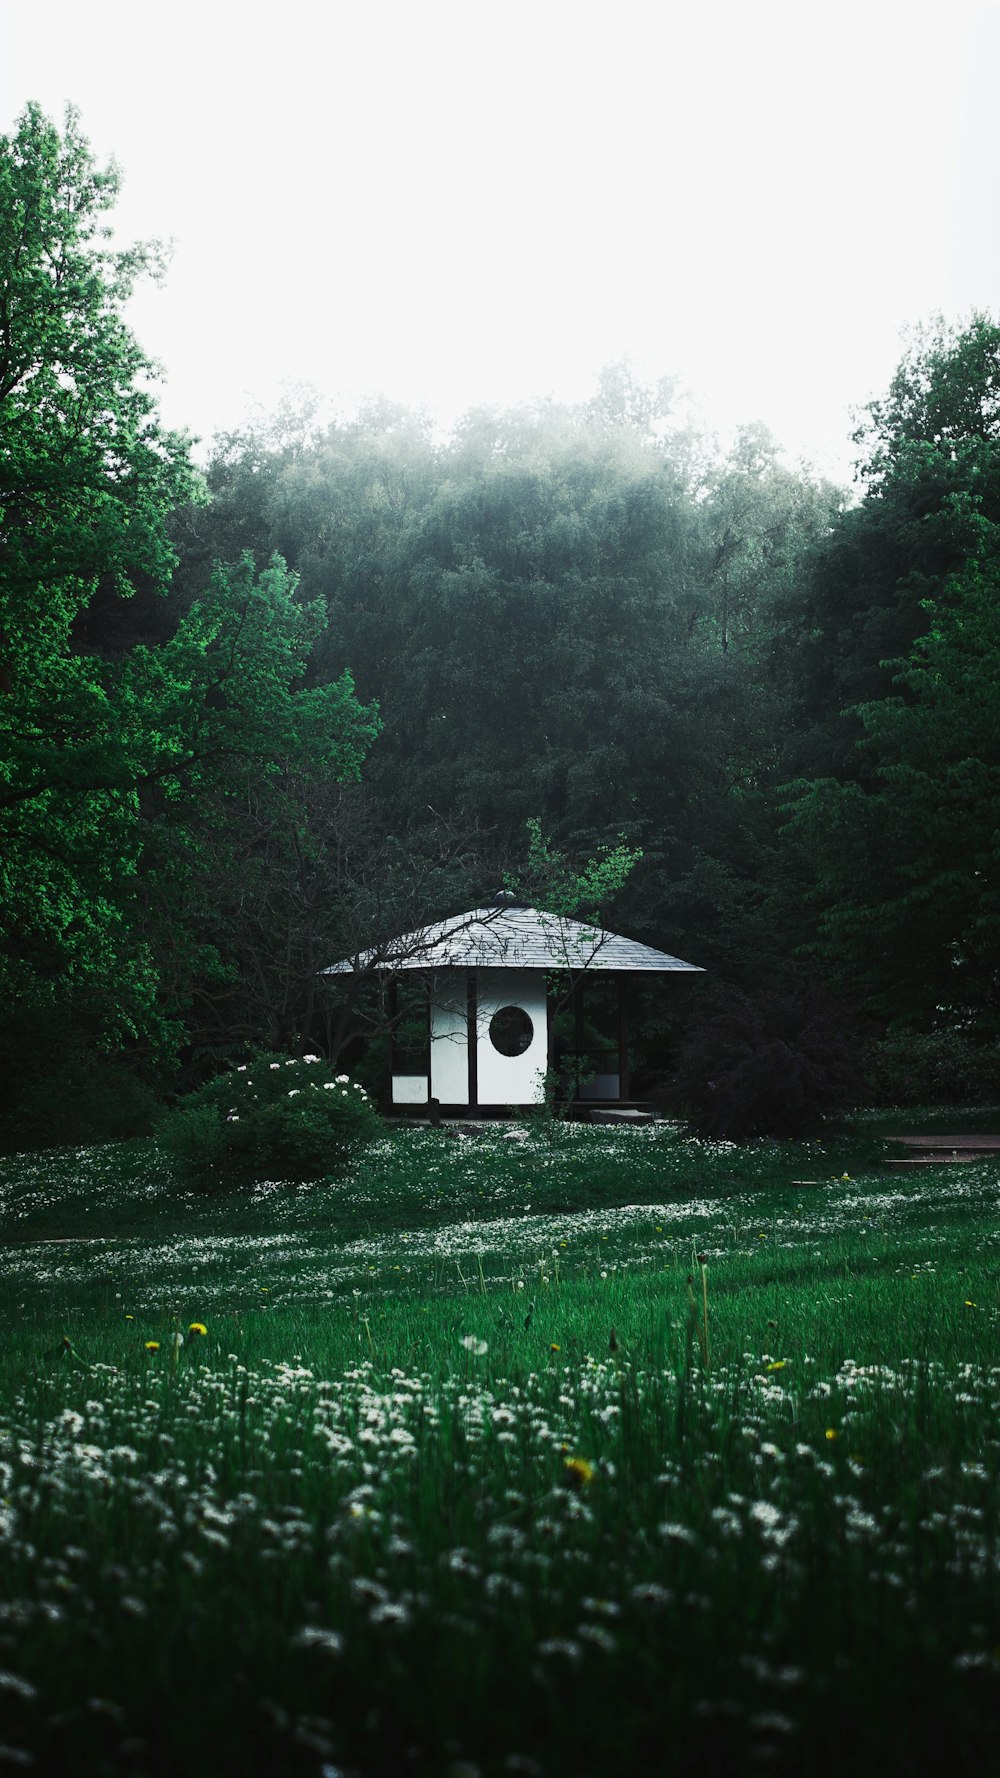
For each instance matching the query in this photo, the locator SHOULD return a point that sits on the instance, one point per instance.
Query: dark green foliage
(93, 1098)
(57, 1085)
(237, 822)
(273, 1117)
(903, 825)
(908, 859)
(947, 1067)
(775, 1065)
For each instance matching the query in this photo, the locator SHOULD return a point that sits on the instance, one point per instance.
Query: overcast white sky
(465, 203)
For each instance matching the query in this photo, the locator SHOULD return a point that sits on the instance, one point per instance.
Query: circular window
(511, 1031)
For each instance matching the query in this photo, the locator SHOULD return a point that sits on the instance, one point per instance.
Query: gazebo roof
(510, 937)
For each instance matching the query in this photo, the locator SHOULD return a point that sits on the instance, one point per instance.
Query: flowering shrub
(277, 1116)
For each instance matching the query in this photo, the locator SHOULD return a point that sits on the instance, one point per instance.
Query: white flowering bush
(272, 1116)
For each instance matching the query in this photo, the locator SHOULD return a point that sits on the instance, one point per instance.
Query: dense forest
(354, 675)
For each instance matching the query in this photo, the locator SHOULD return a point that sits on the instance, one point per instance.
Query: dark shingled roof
(512, 938)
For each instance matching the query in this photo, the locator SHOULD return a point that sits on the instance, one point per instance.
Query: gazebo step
(938, 1159)
(943, 1151)
(619, 1115)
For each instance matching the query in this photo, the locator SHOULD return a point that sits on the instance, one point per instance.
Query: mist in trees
(258, 717)
(570, 614)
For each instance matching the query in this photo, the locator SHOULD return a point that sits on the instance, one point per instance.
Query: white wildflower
(328, 1641)
(12, 1682)
(392, 1612)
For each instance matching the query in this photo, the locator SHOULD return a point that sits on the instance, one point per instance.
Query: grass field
(613, 1453)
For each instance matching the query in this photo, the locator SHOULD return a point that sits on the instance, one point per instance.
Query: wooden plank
(932, 1160)
(623, 1037)
(983, 1144)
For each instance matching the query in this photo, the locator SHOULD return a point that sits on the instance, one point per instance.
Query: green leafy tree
(244, 750)
(87, 478)
(928, 465)
(549, 880)
(129, 754)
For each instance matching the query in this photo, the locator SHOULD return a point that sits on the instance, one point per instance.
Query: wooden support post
(578, 1017)
(472, 1019)
(393, 1005)
(433, 1108)
(624, 1085)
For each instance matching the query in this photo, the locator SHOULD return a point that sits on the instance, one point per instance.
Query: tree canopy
(345, 680)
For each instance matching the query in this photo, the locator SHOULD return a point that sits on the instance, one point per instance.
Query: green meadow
(568, 1452)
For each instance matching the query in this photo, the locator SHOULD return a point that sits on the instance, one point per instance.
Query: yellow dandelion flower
(831, 1432)
(197, 1327)
(778, 1365)
(554, 1348)
(152, 1345)
(579, 1473)
(968, 1304)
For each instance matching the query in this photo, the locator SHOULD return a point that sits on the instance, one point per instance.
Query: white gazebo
(493, 978)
